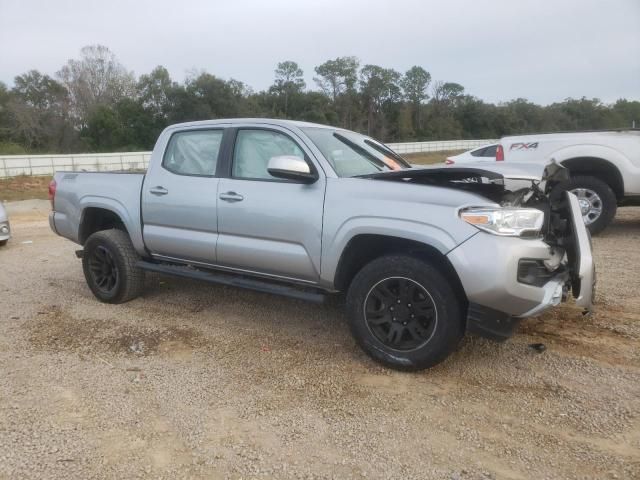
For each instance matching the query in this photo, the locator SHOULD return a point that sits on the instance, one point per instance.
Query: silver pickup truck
(423, 255)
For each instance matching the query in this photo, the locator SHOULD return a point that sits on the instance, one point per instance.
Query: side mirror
(291, 168)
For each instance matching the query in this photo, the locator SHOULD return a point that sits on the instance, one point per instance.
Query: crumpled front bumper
(487, 266)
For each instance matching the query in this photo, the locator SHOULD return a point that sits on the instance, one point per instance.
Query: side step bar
(233, 281)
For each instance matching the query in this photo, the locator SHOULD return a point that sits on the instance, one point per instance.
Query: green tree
(338, 80)
(39, 112)
(415, 83)
(154, 90)
(380, 90)
(289, 82)
(335, 77)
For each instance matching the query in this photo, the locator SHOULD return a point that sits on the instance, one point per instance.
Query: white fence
(438, 146)
(14, 165)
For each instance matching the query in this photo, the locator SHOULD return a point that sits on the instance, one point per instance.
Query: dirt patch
(597, 336)
(427, 158)
(56, 330)
(24, 187)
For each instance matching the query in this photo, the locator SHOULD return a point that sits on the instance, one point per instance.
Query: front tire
(109, 265)
(3, 243)
(597, 201)
(404, 313)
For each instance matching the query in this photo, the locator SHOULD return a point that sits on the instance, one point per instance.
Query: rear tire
(598, 192)
(404, 313)
(109, 265)
(3, 243)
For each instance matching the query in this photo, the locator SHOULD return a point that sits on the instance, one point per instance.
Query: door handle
(231, 197)
(159, 190)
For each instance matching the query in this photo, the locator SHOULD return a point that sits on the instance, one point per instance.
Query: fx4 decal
(524, 146)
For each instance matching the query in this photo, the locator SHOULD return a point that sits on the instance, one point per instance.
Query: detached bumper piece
(490, 323)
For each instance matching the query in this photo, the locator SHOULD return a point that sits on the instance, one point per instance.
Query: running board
(233, 281)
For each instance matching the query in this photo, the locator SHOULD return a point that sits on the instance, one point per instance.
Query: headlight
(509, 221)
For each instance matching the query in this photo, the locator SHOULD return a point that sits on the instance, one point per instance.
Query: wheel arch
(363, 248)
(599, 168)
(96, 218)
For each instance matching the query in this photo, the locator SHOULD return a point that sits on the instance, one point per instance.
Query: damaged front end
(538, 249)
(563, 230)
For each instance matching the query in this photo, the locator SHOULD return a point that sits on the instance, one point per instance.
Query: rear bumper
(52, 222)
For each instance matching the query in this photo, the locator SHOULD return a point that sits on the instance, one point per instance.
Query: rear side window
(254, 149)
(193, 152)
(490, 151)
(479, 152)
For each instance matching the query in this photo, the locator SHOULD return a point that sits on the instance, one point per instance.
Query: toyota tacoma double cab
(422, 255)
(604, 168)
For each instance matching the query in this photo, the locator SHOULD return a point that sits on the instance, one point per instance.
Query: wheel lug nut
(398, 301)
(409, 305)
(391, 308)
(394, 319)
(413, 316)
(404, 323)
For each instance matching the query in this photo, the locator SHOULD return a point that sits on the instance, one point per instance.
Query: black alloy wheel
(400, 313)
(103, 269)
(110, 267)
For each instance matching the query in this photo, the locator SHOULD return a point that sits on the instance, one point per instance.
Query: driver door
(268, 225)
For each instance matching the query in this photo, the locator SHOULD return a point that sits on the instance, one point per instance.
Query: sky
(542, 50)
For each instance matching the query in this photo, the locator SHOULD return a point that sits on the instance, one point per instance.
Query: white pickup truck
(604, 167)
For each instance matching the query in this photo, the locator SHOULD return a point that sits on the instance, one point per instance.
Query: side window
(193, 152)
(254, 149)
(490, 151)
(479, 152)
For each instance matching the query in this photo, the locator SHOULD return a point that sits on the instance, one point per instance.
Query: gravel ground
(199, 381)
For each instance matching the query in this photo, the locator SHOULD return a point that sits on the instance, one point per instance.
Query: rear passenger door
(179, 197)
(269, 225)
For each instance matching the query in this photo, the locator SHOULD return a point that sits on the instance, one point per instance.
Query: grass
(427, 158)
(24, 187)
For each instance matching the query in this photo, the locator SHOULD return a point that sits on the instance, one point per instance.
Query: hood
(487, 179)
(541, 172)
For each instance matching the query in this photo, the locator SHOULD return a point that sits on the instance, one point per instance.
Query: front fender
(421, 232)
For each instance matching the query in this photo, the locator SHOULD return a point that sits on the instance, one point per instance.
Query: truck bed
(115, 191)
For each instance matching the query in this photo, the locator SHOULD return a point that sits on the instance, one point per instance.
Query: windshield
(352, 154)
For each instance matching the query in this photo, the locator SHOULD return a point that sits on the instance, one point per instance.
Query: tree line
(93, 103)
